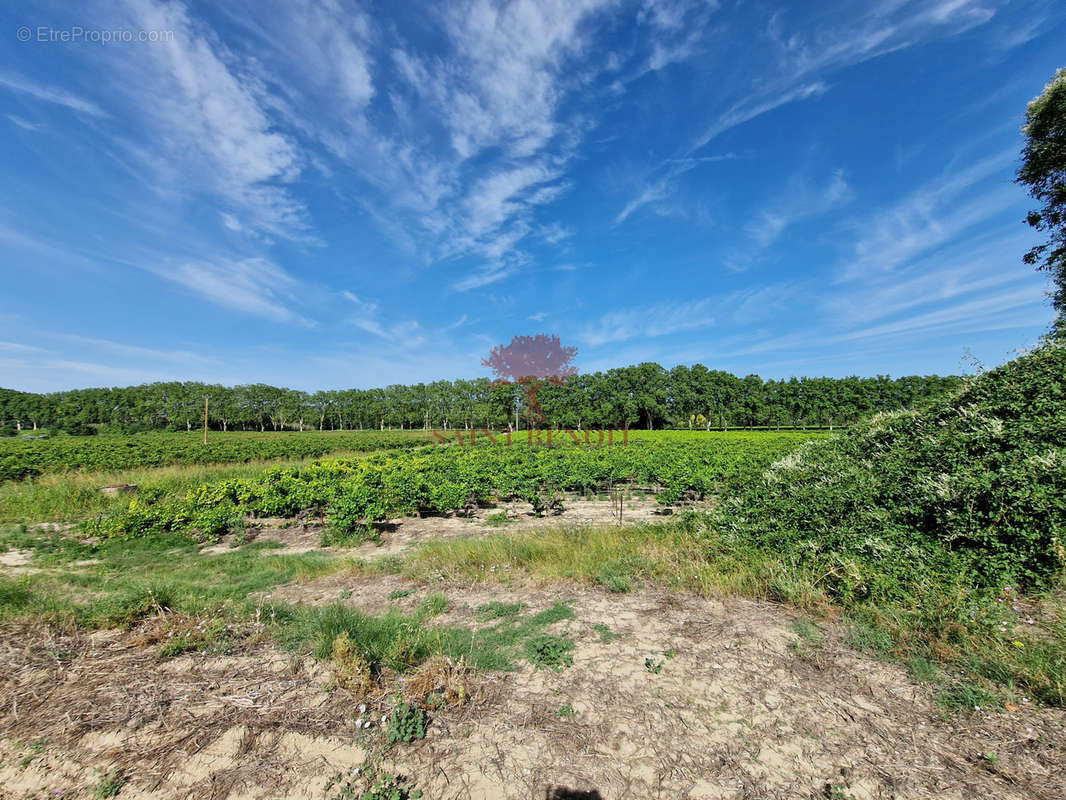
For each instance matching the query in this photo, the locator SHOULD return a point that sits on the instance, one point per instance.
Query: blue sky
(326, 195)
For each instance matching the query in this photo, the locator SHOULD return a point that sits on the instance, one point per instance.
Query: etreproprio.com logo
(77, 34)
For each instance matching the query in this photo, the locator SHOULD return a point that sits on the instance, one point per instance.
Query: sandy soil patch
(15, 558)
(685, 698)
(398, 534)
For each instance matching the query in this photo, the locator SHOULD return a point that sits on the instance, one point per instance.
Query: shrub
(970, 490)
(79, 429)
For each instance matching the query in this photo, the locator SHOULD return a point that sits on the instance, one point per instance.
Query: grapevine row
(354, 492)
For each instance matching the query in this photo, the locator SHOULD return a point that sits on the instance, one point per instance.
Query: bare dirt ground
(732, 704)
(402, 533)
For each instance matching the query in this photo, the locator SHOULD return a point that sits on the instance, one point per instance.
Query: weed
(548, 651)
(434, 700)
(239, 534)
(837, 791)
(108, 785)
(566, 712)
(654, 665)
(406, 724)
(399, 594)
(497, 520)
(35, 749)
(382, 786)
(388, 786)
(350, 669)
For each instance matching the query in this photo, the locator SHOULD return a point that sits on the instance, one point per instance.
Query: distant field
(25, 458)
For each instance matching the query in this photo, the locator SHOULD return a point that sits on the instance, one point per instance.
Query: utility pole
(205, 419)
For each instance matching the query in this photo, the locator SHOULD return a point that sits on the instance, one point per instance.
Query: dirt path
(684, 698)
(399, 534)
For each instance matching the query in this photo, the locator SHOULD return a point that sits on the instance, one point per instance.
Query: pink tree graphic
(530, 361)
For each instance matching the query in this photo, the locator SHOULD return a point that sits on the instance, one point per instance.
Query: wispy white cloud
(127, 350)
(208, 126)
(801, 61)
(662, 187)
(660, 319)
(750, 108)
(25, 124)
(368, 318)
(880, 29)
(931, 216)
(990, 312)
(16, 347)
(49, 94)
(800, 200)
(492, 273)
(253, 286)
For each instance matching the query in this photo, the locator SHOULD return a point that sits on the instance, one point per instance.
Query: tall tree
(1043, 173)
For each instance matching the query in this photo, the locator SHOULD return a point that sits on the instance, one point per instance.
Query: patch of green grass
(497, 610)
(130, 579)
(923, 670)
(606, 634)
(497, 520)
(807, 630)
(966, 696)
(810, 641)
(614, 577)
(339, 536)
(16, 596)
(399, 594)
(401, 641)
(869, 638)
(433, 605)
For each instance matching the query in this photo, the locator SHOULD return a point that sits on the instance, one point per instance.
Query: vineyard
(354, 492)
(26, 458)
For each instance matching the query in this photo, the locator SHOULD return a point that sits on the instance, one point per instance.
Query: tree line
(641, 396)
